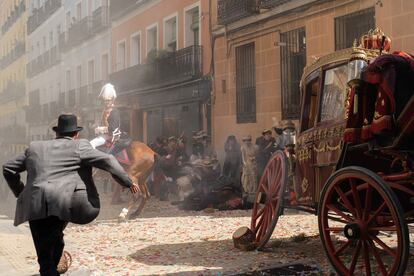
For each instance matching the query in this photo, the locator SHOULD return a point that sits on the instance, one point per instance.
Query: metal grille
(352, 26)
(246, 83)
(229, 11)
(293, 53)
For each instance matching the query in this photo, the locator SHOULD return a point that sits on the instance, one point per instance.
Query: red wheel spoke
(261, 218)
(266, 191)
(366, 257)
(377, 257)
(334, 229)
(355, 196)
(260, 213)
(345, 200)
(355, 258)
(275, 182)
(339, 212)
(383, 228)
(263, 227)
(384, 246)
(342, 248)
(376, 213)
(368, 197)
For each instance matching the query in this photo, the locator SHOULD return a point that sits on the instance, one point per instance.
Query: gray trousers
(83, 209)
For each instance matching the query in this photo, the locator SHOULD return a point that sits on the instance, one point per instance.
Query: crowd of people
(238, 178)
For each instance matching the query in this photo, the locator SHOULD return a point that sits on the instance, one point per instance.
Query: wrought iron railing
(268, 4)
(175, 67)
(32, 113)
(41, 14)
(78, 32)
(13, 91)
(43, 62)
(100, 19)
(14, 16)
(18, 51)
(229, 11)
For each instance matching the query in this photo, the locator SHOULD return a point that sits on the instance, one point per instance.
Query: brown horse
(142, 163)
(139, 161)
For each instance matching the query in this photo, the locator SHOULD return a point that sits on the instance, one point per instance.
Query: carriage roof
(340, 56)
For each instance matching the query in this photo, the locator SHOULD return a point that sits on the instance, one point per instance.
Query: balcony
(43, 62)
(230, 11)
(13, 17)
(41, 14)
(33, 114)
(268, 4)
(100, 19)
(13, 92)
(78, 33)
(175, 67)
(18, 51)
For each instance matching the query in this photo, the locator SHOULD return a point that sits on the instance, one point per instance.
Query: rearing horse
(139, 161)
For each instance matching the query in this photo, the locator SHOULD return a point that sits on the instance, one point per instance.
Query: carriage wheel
(362, 225)
(268, 202)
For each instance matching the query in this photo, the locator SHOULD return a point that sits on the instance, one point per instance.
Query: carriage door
(305, 177)
(328, 135)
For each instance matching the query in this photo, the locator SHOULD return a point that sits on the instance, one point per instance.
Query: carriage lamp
(289, 135)
(356, 66)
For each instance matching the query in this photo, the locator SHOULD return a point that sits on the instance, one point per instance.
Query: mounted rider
(109, 130)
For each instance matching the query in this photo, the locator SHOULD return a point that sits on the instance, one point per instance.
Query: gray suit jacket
(55, 168)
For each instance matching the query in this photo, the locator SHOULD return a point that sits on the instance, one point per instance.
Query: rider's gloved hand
(134, 188)
(101, 130)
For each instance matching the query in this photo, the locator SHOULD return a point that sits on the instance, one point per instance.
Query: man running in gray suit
(59, 188)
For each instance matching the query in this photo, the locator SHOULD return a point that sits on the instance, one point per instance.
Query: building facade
(44, 50)
(261, 48)
(161, 57)
(85, 59)
(13, 17)
(69, 61)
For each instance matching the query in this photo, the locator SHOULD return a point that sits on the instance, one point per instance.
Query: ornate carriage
(352, 161)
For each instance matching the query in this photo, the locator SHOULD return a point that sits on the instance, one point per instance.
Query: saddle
(119, 149)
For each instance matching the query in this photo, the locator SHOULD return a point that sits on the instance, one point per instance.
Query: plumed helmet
(108, 92)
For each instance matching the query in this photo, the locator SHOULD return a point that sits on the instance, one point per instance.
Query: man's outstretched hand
(134, 188)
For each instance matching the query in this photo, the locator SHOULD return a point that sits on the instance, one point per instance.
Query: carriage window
(334, 92)
(310, 104)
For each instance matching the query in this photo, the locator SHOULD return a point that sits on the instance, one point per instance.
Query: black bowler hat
(67, 123)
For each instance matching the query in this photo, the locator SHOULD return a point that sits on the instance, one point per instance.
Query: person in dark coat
(59, 188)
(266, 147)
(232, 159)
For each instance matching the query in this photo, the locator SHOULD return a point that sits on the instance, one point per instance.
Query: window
(50, 39)
(79, 76)
(293, 54)
(310, 104)
(170, 34)
(136, 50)
(104, 67)
(79, 11)
(352, 26)
(91, 71)
(120, 64)
(334, 93)
(68, 80)
(192, 27)
(246, 84)
(90, 7)
(68, 22)
(152, 39)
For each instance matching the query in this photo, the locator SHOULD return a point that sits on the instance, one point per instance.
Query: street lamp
(356, 66)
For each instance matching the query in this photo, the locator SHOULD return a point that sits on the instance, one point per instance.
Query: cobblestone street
(165, 240)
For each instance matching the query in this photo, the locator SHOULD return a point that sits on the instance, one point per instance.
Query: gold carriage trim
(327, 148)
(304, 185)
